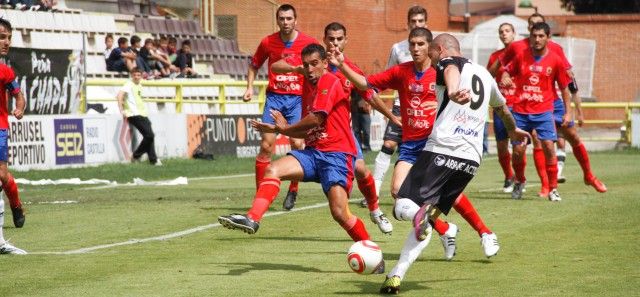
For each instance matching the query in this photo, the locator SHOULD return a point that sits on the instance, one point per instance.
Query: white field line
(499, 189)
(170, 235)
(191, 178)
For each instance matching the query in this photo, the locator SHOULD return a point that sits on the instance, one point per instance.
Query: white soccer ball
(365, 257)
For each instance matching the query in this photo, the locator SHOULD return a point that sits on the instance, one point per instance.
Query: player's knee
(266, 148)
(361, 171)
(388, 149)
(405, 209)
(339, 214)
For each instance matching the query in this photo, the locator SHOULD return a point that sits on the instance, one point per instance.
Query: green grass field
(585, 245)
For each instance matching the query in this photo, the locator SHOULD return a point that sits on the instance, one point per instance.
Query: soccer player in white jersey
(453, 151)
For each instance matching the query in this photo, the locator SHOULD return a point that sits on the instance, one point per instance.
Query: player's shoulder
(457, 61)
(554, 46)
(497, 54)
(306, 38)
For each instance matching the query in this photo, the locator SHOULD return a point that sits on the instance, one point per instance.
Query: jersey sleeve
(562, 77)
(9, 80)
(557, 49)
(384, 80)
(496, 98)
(260, 55)
(510, 53)
(328, 93)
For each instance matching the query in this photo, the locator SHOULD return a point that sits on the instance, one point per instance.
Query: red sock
(465, 209)
(11, 190)
(541, 167)
(440, 226)
(580, 152)
(367, 187)
(261, 168)
(518, 167)
(356, 229)
(267, 192)
(552, 172)
(293, 186)
(505, 163)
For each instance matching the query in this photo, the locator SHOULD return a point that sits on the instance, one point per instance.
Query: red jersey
(509, 93)
(346, 83)
(328, 97)
(417, 93)
(274, 49)
(518, 47)
(7, 84)
(536, 79)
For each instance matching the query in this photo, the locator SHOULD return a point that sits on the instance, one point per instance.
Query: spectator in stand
(121, 58)
(361, 120)
(163, 56)
(172, 49)
(149, 55)
(184, 60)
(108, 46)
(140, 62)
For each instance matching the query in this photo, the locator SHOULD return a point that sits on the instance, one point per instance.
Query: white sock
(561, 155)
(1, 220)
(411, 249)
(382, 165)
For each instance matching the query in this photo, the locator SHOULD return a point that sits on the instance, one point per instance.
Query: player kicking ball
(329, 155)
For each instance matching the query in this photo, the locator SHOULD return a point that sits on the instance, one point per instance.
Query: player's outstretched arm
(336, 58)
(381, 107)
(282, 66)
(510, 124)
(300, 129)
(18, 112)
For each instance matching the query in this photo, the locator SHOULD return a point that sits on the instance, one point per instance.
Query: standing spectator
(121, 58)
(361, 120)
(133, 109)
(184, 60)
(108, 46)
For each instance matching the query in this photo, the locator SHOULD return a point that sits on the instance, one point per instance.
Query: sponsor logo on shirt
(458, 165)
(535, 68)
(416, 88)
(534, 79)
(462, 117)
(465, 131)
(439, 160)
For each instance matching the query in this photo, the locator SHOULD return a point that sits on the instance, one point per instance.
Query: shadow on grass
(370, 287)
(236, 269)
(291, 239)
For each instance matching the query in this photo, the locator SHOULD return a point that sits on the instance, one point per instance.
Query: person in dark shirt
(184, 60)
(121, 58)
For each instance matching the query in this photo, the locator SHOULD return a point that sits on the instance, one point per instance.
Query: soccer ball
(365, 257)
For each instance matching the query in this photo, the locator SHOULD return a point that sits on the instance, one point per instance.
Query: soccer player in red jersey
(536, 73)
(568, 131)
(284, 90)
(8, 85)
(328, 157)
(507, 35)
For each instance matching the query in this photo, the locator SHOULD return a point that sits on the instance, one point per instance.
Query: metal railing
(179, 86)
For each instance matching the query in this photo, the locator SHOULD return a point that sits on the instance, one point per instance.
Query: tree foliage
(602, 6)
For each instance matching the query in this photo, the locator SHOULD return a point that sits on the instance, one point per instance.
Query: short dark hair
(542, 26)
(286, 7)
(148, 40)
(6, 24)
(106, 37)
(314, 48)
(507, 24)
(416, 9)
(122, 40)
(421, 32)
(173, 40)
(535, 15)
(163, 38)
(186, 42)
(335, 26)
(135, 69)
(134, 39)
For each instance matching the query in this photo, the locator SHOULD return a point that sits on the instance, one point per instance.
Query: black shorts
(393, 132)
(437, 179)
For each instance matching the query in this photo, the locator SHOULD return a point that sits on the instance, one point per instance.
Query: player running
(453, 152)
(284, 90)
(8, 85)
(329, 155)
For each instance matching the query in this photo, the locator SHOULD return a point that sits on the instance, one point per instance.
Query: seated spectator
(149, 55)
(108, 46)
(184, 60)
(121, 58)
(140, 62)
(162, 50)
(172, 49)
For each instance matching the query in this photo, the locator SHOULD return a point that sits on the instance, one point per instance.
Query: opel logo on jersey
(534, 79)
(439, 160)
(415, 102)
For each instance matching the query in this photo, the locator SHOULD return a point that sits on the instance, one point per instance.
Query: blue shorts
(498, 127)
(4, 145)
(410, 150)
(289, 105)
(329, 169)
(360, 156)
(541, 122)
(558, 113)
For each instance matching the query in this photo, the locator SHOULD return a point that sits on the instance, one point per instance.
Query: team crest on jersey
(439, 160)
(324, 92)
(416, 88)
(432, 86)
(347, 83)
(549, 70)
(534, 79)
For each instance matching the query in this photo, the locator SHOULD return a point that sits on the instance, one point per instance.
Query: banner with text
(223, 135)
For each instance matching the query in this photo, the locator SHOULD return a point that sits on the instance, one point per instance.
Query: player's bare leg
(292, 195)
(400, 172)
(287, 168)
(366, 185)
(580, 152)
